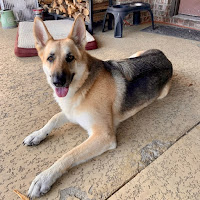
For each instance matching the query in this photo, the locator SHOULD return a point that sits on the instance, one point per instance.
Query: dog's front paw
(42, 183)
(34, 138)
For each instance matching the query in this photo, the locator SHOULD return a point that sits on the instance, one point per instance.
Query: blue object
(120, 11)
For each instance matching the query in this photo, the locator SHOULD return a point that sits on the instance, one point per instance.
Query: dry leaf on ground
(21, 195)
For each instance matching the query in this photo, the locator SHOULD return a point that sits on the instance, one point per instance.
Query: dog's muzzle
(59, 80)
(62, 81)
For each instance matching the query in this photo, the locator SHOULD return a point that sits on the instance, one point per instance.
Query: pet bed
(59, 29)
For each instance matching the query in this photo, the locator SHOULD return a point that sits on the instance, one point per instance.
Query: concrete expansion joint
(151, 152)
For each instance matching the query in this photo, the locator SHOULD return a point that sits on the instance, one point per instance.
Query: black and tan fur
(95, 94)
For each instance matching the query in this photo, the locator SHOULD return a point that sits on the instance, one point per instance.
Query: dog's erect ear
(41, 34)
(78, 32)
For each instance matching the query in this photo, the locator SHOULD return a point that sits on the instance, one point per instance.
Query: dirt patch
(153, 150)
(73, 193)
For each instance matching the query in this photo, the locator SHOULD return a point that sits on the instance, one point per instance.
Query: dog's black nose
(59, 80)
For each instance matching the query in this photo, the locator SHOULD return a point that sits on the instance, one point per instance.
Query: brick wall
(161, 11)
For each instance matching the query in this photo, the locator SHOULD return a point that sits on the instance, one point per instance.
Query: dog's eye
(69, 57)
(51, 58)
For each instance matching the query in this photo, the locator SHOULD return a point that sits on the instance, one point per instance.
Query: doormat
(174, 31)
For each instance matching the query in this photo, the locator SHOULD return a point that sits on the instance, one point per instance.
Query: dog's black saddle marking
(144, 76)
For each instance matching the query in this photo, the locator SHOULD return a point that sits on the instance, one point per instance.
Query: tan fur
(93, 101)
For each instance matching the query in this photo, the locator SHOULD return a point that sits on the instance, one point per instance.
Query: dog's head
(61, 58)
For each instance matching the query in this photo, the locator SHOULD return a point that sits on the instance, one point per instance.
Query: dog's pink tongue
(62, 91)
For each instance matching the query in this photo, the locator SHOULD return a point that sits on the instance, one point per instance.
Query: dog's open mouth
(62, 91)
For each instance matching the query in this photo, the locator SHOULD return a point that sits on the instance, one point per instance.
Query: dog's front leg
(36, 137)
(95, 145)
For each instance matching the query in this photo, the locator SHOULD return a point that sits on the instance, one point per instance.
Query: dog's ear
(78, 32)
(41, 34)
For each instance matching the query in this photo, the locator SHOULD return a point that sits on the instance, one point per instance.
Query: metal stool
(120, 11)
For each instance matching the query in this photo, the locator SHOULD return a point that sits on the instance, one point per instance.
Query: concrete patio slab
(174, 175)
(27, 104)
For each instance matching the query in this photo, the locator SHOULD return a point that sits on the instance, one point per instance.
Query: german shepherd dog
(95, 94)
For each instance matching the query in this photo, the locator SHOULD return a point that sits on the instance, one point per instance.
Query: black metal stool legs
(136, 18)
(118, 26)
(120, 11)
(110, 20)
(152, 20)
(104, 21)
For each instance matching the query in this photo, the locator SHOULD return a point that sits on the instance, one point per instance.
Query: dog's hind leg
(96, 144)
(36, 137)
(164, 92)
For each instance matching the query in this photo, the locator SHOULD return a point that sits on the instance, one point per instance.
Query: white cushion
(59, 29)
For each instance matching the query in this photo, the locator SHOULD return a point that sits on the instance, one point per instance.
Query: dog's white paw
(42, 183)
(34, 138)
